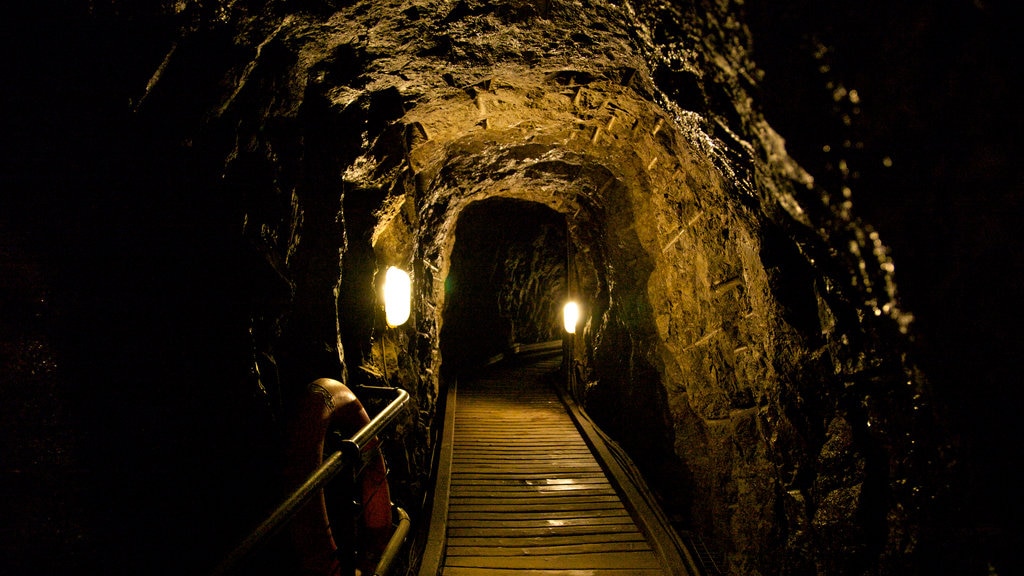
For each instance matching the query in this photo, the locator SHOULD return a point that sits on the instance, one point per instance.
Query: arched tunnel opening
(506, 282)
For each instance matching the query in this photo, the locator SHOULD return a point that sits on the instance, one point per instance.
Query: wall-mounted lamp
(397, 296)
(571, 316)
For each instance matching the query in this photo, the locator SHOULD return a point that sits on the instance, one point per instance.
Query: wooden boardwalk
(525, 495)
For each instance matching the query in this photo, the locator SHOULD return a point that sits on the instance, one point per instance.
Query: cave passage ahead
(506, 282)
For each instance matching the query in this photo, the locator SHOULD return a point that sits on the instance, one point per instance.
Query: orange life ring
(326, 404)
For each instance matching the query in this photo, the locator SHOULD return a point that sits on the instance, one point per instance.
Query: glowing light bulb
(571, 315)
(397, 296)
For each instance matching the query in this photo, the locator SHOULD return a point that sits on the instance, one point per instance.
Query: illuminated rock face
(739, 335)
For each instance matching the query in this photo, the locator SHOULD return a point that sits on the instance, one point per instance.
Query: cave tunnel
(506, 284)
(177, 271)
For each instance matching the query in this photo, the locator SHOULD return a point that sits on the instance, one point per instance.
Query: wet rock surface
(742, 336)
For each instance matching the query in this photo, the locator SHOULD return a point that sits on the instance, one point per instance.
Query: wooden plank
(499, 475)
(555, 437)
(576, 478)
(635, 536)
(509, 445)
(548, 469)
(545, 511)
(539, 441)
(533, 497)
(491, 531)
(537, 512)
(499, 417)
(523, 452)
(488, 420)
(505, 447)
(526, 451)
(551, 550)
(551, 466)
(544, 468)
(575, 473)
(514, 490)
(552, 505)
(559, 561)
(530, 523)
(465, 571)
(522, 494)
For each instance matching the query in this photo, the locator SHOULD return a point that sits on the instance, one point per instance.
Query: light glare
(397, 296)
(571, 315)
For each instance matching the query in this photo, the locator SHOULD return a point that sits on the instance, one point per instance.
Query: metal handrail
(394, 544)
(382, 420)
(349, 454)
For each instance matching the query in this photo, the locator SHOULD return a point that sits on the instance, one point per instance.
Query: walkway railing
(350, 457)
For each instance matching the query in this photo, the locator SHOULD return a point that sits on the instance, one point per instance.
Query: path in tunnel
(526, 494)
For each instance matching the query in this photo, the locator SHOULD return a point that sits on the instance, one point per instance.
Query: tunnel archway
(506, 280)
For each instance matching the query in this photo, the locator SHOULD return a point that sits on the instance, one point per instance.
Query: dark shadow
(505, 283)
